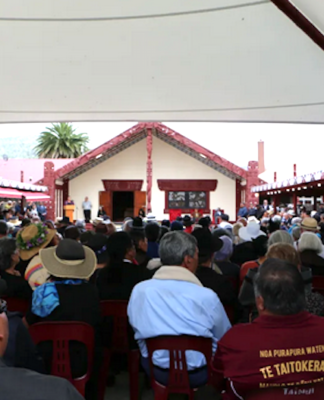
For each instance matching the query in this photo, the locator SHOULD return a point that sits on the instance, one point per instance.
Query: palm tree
(60, 141)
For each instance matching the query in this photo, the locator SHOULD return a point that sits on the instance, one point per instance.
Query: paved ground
(120, 391)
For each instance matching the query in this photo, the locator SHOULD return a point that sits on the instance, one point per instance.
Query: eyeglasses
(3, 306)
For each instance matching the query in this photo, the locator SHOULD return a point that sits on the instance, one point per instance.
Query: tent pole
(301, 21)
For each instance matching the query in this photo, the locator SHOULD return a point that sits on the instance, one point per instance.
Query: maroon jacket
(271, 352)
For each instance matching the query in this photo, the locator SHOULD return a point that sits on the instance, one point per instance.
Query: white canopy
(144, 60)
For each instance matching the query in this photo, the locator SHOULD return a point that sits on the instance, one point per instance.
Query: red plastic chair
(16, 304)
(318, 284)
(120, 344)
(61, 333)
(178, 378)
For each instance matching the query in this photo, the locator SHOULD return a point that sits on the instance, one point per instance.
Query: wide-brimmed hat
(206, 242)
(69, 260)
(251, 231)
(98, 243)
(97, 221)
(14, 221)
(309, 224)
(253, 218)
(137, 224)
(32, 238)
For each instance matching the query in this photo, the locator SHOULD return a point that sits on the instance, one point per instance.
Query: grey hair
(280, 237)
(296, 232)
(175, 246)
(309, 241)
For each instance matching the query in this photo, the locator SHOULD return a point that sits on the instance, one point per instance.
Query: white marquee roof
(144, 60)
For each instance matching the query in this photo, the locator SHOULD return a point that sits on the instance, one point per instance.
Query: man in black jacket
(23, 384)
(207, 245)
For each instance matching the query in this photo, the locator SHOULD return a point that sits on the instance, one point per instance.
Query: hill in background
(18, 146)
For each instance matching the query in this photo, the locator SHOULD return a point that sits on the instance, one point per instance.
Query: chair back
(177, 347)
(60, 334)
(15, 304)
(318, 284)
(117, 309)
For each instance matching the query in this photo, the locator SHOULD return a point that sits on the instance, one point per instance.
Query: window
(187, 200)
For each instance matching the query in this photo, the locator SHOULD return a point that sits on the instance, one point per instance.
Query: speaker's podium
(69, 211)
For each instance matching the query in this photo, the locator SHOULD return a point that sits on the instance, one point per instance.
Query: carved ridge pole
(149, 147)
(49, 181)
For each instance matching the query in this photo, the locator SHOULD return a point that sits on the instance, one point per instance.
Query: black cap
(207, 243)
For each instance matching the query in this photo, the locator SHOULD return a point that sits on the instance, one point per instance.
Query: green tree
(60, 141)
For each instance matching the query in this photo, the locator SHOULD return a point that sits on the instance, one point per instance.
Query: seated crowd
(183, 277)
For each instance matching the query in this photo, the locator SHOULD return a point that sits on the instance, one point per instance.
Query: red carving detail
(122, 185)
(252, 180)
(149, 146)
(144, 128)
(238, 189)
(204, 185)
(65, 190)
(21, 176)
(49, 181)
(201, 150)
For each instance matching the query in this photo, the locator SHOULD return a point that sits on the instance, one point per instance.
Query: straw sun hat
(32, 238)
(310, 224)
(69, 260)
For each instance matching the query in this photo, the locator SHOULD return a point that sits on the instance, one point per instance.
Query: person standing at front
(86, 205)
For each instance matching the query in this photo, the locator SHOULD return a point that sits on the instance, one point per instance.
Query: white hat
(296, 220)
(313, 213)
(251, 231)
(97, 221)
(253, 219)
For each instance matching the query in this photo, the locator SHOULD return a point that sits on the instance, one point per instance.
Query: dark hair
(260, 245)
(117, 245)
(163, 231)
(72, 232)
(281, 286)
(166, 223)
(152, 232)
(7, 248)
(101, 228)
(137, 236)
(206, 243)
(85, 236)
(25, 222)
(225, 217)
(3, 228)
(204, 222)
(273, 226)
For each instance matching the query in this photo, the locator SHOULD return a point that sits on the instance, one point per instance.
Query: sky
(285, 144)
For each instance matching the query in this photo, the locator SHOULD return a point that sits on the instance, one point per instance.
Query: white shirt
(173, 307)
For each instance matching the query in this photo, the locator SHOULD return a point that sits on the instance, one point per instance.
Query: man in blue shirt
(243, 211)
(174, 302)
